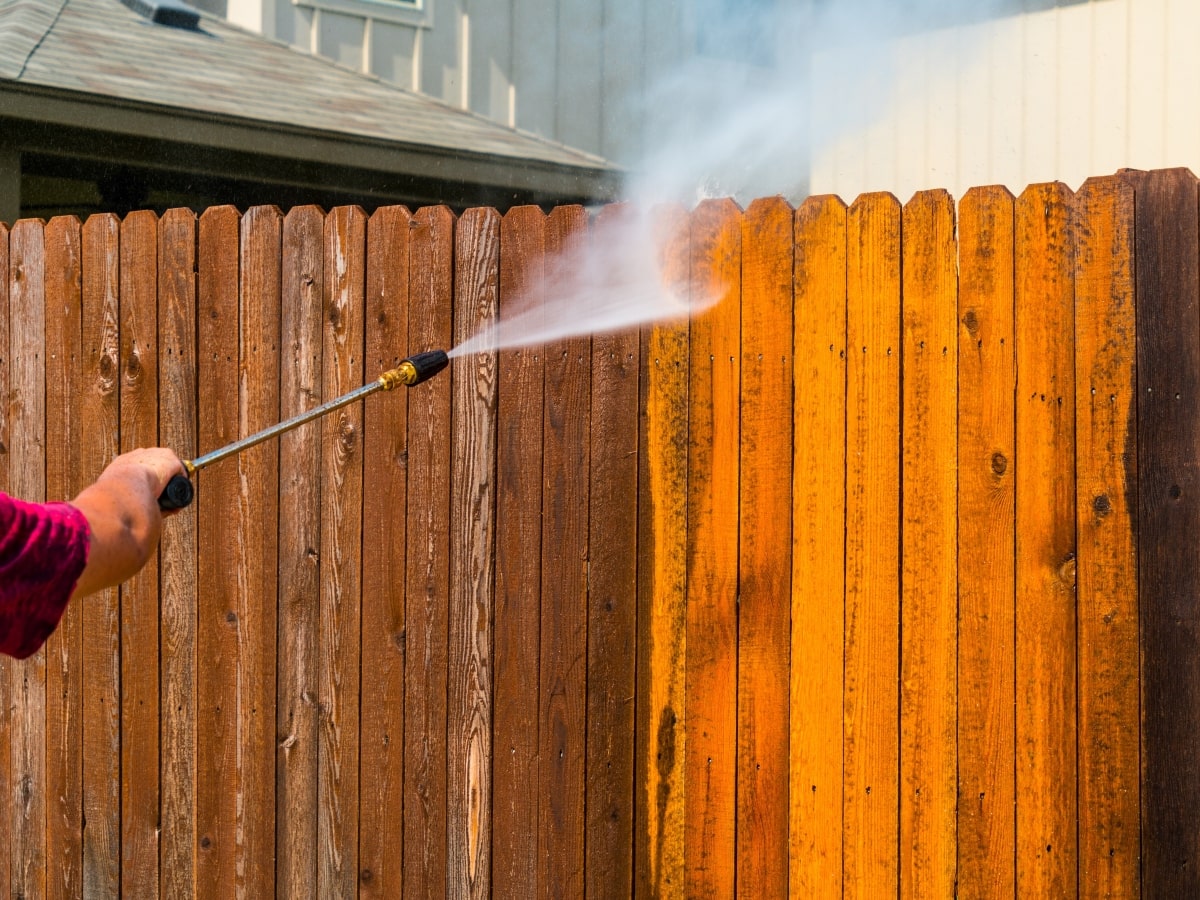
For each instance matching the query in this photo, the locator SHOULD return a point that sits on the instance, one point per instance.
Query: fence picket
(6, 664)
(871, 744)
(819, 550)
(99, 442)
(385, 442)
(1107, 486)
(64, 766)
(140, 713)
(518, 558)
(710, 760)
(928, 701)
(986, 545)
(472, 561)
(1045, 529)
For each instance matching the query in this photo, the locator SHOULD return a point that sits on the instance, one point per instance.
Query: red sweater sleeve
(43, 549)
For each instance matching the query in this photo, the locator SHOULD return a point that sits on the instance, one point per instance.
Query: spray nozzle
(417, 368)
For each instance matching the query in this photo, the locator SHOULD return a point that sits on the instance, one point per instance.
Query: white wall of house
(1061, 94)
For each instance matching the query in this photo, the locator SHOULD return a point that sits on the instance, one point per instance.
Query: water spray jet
(412, 371)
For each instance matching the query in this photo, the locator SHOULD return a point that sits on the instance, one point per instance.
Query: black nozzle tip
(427, 364)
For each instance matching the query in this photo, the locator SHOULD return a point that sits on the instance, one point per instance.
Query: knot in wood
(1066, 571)
(1102, 505)
(972, 322)
(133, 366)
(999, 463)
(347, 435)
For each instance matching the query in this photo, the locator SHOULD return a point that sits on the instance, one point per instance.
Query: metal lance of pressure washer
(417, 368)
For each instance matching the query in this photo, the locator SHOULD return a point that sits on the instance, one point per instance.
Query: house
(104, 108)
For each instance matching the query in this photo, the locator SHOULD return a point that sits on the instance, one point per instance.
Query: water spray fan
(412, 371)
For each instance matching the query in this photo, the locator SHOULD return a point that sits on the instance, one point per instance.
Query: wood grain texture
(710, 763)
(257, 564)
(472, 561)
(219, 558)
(765, 549)
(871, 744)
(26, 734)
(140, 713)
(928, 700)
(6, 793)
(566, 423)
(986, 506)
(64, 673)
(816, 730)
(1045, 529)
(430, 293)
(297, 627)
(518, 562)
(612, 606)
(99, 422)
(343, 335)
(659, 778)
(178, 416)
(1167, 276)
(1106, 507)
(385, 448)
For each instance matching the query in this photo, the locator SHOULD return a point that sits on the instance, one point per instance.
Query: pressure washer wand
(420, 367)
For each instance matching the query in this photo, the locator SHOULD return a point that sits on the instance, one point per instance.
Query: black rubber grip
(177, 494)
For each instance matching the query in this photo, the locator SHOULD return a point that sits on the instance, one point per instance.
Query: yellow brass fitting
(405, 373)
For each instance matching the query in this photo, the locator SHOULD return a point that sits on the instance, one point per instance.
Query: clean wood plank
(27, 479)
(612, 605)
(659, 782)
(257, 564)
(219, 537)
(6, 808)
(518, 561)
(871, 746)
(177, 429)
(710, 763)
(140, 785)
(1045, 529)
(64, 674)
(99, 422)
(1107, 567)
(562, 733)
(472, 560)
(385, 447)
(765, 550)
(816, 807)
(296, 714)
(986, 537)
(430, 292)
(1167, 276)
(341, 556)
(929, 563)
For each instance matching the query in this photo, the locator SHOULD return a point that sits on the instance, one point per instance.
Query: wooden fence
(878, 578)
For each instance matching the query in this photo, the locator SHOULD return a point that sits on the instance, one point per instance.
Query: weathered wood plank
(1167, 276)
(341, 556)
(430, 291)
(257, 563)
(1045, 530)
(140, 784)
(518, 561)
(816, 808)
(986, 507)
(296, 713)
(219, 557)
(765, 549)
(6, 794)
(385, 449)
(871, 744)
(1107, 567)
(64, 673)
(562, 727)
(710, 763)
(101, 613)
(177, 429)
(26, 733)
(612, 606)
(472, 561)
(928, 699)
(659, 778)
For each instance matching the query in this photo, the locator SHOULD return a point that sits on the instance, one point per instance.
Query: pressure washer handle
(177, 494)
